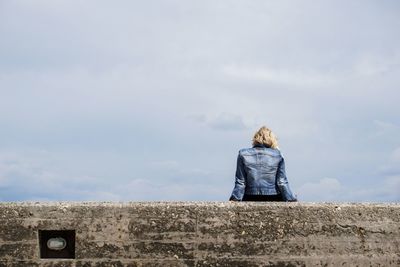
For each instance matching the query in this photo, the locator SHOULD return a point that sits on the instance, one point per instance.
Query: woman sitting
(260, 171)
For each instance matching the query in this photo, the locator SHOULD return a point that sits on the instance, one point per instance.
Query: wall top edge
(195, 203)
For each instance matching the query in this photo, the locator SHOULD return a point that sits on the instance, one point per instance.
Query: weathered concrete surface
(205, 234)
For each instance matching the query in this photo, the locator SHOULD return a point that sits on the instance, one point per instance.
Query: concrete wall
(205, 234)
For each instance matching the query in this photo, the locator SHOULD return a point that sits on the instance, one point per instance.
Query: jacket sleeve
(283, 184)
(240, 181)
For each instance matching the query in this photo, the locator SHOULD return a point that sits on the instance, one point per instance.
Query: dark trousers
(262, 198)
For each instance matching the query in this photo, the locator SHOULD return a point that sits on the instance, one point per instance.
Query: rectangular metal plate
(66, 253)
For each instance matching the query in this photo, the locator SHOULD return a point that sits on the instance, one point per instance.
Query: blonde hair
(265, 136)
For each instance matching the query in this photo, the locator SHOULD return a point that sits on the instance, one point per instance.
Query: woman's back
(260, 171)
(261, 165)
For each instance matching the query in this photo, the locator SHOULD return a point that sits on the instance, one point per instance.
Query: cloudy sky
(151, 100)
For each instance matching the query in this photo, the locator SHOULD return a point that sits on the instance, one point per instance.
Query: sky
(152, 100)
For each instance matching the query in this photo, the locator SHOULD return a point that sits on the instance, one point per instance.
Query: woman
(260, 171)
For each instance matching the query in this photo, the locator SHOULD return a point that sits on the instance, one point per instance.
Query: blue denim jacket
(261, 171)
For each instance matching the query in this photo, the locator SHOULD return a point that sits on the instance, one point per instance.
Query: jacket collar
(261, 145)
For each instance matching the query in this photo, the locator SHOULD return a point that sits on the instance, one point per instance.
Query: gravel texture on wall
(205, 233)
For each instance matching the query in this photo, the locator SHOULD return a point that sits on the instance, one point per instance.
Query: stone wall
(205, 234)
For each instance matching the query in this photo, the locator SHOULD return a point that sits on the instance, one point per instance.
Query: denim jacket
(260, 170)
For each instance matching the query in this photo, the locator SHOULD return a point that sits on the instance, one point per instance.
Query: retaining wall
(205, 234)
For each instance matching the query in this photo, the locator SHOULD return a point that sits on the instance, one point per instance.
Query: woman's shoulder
(247, 151)
(253, 150)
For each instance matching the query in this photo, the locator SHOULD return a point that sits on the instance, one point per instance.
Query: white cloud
(326, 189)
(296, 78)
(385, 127)
(144, 190)
(166, 165)
(372, 65)
(384, 190)
(391, 165)
(227, 122)
(332, 190)
(30, 178)
(23, 177)
(109, 96)
(396, 155)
